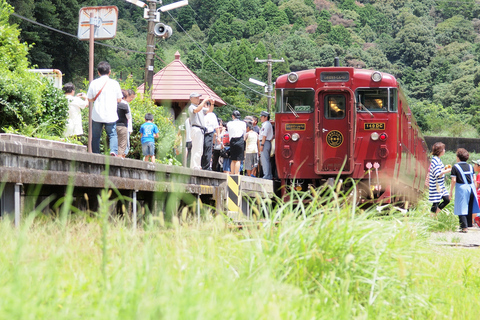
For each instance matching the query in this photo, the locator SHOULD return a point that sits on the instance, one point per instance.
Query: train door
(334, 133)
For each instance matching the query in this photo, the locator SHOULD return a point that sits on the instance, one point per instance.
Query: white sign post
(96, 23)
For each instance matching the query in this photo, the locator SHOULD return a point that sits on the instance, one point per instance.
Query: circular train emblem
(334, 138)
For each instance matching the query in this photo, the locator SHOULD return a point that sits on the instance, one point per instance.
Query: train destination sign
(341, 76)
(374, 126)
(295, 126)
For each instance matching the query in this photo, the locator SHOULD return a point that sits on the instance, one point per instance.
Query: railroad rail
(32, 170)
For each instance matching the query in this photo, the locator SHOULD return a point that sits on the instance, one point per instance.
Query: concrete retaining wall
(452, 144)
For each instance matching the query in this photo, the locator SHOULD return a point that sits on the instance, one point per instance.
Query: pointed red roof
(176, 82)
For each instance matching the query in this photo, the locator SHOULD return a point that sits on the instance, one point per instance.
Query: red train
(355, 123)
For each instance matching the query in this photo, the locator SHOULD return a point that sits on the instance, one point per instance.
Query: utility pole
(152, 8)
(269, 62)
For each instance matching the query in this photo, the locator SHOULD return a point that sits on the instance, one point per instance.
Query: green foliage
(455, 29)
(54, 109)
(437, 120)
(13, 54)
(340, 35)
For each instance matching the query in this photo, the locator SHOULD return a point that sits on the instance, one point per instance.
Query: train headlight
(287, 137)
(292, 77)
(383, 137)
(376, 76)
(295, 137)
(374, 136)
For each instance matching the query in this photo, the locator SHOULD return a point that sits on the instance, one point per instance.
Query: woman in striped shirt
(438, 194)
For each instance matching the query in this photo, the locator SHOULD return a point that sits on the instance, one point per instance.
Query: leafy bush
(435, 119)
(28, 101)
(20, 99)
(54, 109)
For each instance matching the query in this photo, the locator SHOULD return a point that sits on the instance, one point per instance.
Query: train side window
(278, 100)
(374, 100)
(297, 100)
(393, 106)
(334, 107)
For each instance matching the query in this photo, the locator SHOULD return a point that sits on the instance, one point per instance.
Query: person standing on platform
(188, 141)
(255, 124)
(465, 202)
(196, 113)
(236, 130)
(211, 128)
(217, 145)
(251, 149)
(105, 93)
(75, 104)
(148, 132)
(265, 145)
(123, 112)
(131, 94)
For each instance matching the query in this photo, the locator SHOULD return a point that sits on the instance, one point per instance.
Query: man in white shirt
(197, 122)
(265, 146)
(105, 93)
(211, 127)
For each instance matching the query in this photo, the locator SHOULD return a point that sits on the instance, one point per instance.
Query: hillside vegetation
(432, 46)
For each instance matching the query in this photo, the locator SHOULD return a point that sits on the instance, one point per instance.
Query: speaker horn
(162, 30)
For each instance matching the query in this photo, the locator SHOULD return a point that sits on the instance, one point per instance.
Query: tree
(275, 18)
(340, 35)
(255, 26)
(415, 43)
(220, 30)
(302, 53)
(194, 58)
(378, 21)
(51, 49)
(208, 64)
(455, 29)
(466, 8)
(250, 9)
(185, 18)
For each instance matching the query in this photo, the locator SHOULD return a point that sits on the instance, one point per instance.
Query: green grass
(320, 260)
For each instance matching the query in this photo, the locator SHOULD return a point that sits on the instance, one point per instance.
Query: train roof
(361, 77)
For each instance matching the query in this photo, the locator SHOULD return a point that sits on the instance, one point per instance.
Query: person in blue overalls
(465, 195)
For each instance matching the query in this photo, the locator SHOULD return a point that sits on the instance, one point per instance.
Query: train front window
(373, 100)
(335, 107)
(295, 101)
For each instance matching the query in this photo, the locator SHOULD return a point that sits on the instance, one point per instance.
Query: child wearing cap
(148, 133)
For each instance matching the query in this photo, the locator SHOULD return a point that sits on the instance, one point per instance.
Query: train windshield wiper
(359, 104)
(291, 109)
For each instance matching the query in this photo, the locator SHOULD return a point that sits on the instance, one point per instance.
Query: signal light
(287, 137)
(374, 136)
(383, 137)
(295, 137)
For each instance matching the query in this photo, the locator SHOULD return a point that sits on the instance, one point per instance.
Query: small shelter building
(173, 85)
